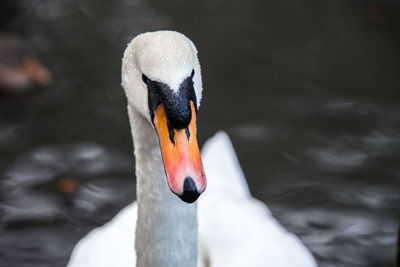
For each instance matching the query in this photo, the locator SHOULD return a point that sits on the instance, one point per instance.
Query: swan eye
(145, 79)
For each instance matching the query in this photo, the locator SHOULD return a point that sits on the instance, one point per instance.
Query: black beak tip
(190, 193)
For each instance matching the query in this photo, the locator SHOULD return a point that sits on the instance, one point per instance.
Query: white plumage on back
(234, 228)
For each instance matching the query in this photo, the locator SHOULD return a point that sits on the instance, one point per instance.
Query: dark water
(307, 90)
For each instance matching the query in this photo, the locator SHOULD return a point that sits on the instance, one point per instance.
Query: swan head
(162, 81)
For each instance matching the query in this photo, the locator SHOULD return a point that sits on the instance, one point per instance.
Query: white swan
(234, 229)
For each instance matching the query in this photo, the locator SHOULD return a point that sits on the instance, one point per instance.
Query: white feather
(234, 228)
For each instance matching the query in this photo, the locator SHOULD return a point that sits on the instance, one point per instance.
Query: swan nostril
(190, 193)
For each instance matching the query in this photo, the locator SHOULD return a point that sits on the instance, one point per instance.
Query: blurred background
(307, 90)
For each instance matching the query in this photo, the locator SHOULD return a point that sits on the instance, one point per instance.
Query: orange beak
(181, 156)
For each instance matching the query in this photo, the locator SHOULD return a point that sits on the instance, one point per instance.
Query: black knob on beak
(190, 193)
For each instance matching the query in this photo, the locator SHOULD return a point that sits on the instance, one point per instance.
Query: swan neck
(166, 230)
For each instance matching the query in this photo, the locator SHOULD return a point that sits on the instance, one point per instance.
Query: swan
(161, 77)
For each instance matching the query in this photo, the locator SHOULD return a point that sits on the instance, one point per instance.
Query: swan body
(234, 228)
(162, 80)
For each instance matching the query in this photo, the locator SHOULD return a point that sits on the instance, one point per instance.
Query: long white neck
(166, 230)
